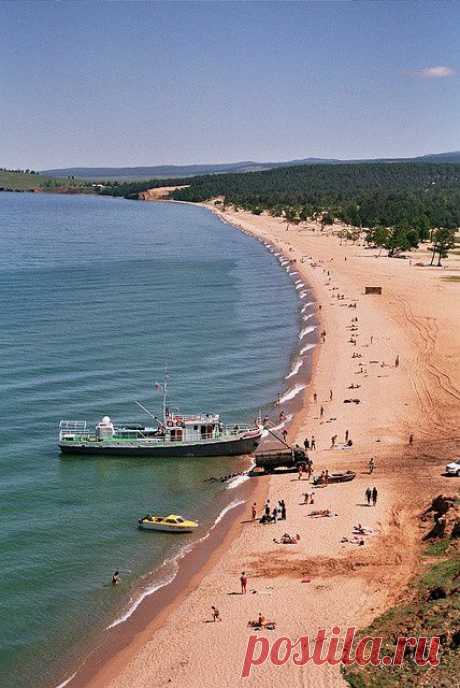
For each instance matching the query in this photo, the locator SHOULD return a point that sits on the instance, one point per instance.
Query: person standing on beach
(347, 434)
(267, 508)
(215, 614)
(285, 434)
(411, 439)
(333, 441)
(368, 494)
(283, 510)
(254, 511)
(397, 361)
(374, 496)
(313, 442)
(321, 412)
(315, 397)
(244, 582)
(306, 444)
(330, 395)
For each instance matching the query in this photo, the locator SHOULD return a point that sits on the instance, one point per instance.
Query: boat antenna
(146, 410)
(165, 395)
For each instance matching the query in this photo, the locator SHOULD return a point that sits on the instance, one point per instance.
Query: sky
(107, 83)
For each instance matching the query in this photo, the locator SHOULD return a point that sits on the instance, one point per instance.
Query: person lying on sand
(287, 539)
(322, 513)
(262, 623)
(353, 541)
(361, 530)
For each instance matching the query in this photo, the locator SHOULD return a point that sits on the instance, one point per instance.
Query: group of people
(371, 496)
(278, 513)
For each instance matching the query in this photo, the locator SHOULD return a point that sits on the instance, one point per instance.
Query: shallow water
(98, 296)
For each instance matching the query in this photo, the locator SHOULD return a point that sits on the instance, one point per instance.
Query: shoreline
(180, 650)
(154, 608)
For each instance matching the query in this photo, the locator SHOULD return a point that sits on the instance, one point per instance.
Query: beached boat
(167, 524)
(344, 477)
(173, 436)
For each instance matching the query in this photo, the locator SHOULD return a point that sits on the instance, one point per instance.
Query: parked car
(453, 468)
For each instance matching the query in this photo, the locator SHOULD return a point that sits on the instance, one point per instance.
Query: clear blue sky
(146, 83)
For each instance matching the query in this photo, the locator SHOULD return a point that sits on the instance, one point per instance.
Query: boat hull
(165, 528)
(230, 447)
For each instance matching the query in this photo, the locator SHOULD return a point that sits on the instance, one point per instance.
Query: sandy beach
(386, 368)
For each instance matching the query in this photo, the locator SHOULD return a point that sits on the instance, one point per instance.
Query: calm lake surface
(98, 296)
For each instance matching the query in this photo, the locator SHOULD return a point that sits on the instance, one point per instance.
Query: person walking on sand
(368, 494)
(347, 435)
(315, 397)
(285, 434)
(254, 511)
(374, 496)
(306, 444)
(267, 508)
(397, 361)
(371, 465)
(326, 477)
(215, 614)
(244, 582)
(321, 412)
(300, 471)
(283, 510)
(333, 441)
(411, 439)
(313, 442)
(330, 395)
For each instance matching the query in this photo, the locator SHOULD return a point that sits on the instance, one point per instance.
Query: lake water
(97, 296)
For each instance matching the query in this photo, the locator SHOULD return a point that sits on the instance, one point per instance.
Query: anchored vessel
(175, 435)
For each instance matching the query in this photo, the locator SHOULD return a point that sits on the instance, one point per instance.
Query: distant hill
(454, 156)
(124, 174)
(174, 171)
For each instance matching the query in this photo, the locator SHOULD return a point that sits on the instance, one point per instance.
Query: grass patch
(437, 549)
(420, 617)
(21, 181)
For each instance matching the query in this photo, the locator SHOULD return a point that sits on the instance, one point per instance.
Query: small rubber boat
(167, 524)
(336, 478)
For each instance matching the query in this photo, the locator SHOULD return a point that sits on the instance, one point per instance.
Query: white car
(453, 468)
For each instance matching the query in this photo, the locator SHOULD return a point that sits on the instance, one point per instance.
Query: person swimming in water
(116, 578)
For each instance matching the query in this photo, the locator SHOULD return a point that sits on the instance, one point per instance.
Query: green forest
(400, 204)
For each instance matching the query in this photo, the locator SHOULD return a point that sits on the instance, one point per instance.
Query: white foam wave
(149, 591)
(291, 393)
(294, 273)
(300, 286)
(302, 294)
(68, 680)
(295, 368)
(174, 561)
(306, 348)
(281, 425)
(225, 510)
(299, 281)
(307, 305)
(306, 330)
(307, 317)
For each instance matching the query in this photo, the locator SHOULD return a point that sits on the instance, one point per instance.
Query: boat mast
(165, 396)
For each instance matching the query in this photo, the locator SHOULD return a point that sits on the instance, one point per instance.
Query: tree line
(398, 204)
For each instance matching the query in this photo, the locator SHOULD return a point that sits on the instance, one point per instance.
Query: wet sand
(405, 374)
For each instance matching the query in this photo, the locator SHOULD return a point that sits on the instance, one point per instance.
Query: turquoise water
(98, 296)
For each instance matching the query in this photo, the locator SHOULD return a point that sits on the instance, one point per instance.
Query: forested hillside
(416, 195)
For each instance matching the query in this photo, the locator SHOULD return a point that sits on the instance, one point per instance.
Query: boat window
(180, 520)
(170, 520)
